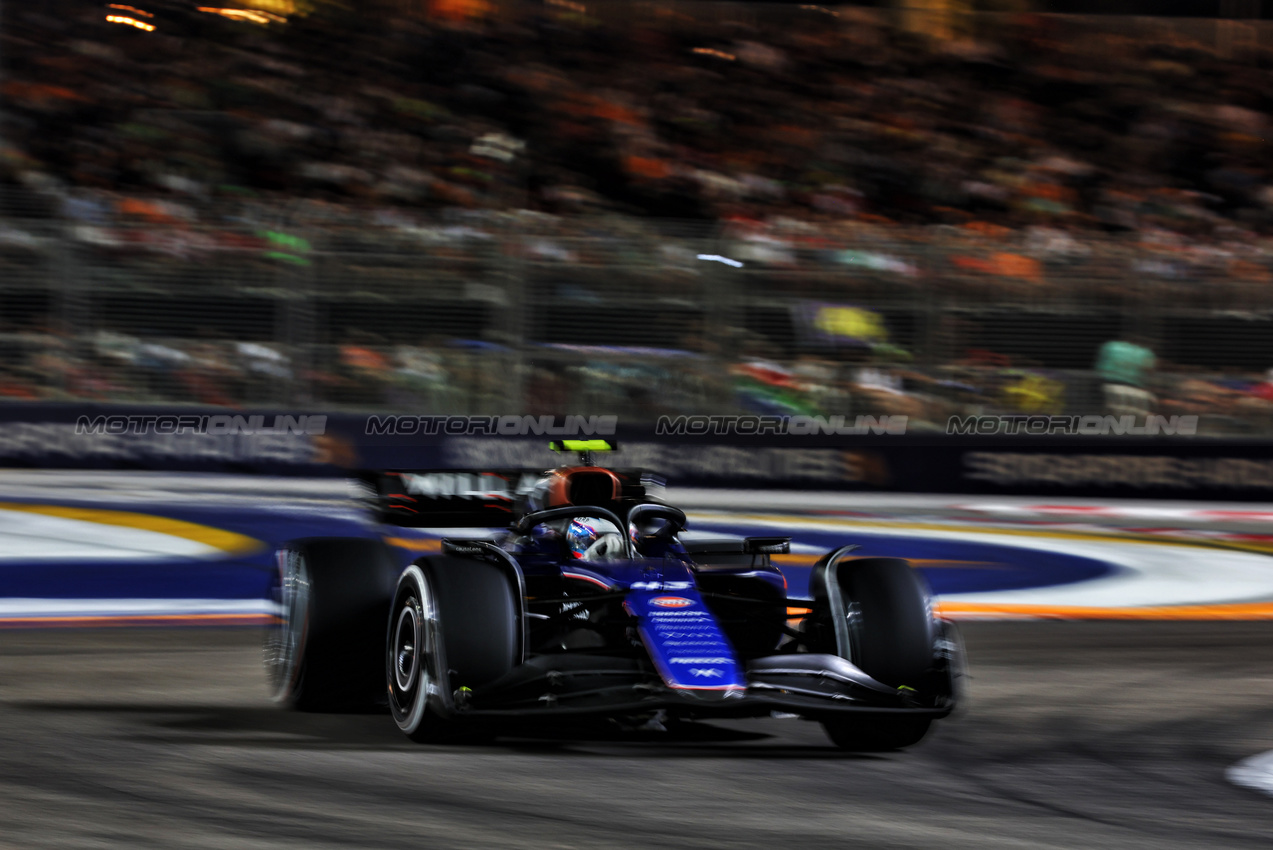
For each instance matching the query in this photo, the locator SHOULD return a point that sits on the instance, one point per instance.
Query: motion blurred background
(637, 208)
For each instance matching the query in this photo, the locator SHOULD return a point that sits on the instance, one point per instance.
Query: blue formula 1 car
(594, 600)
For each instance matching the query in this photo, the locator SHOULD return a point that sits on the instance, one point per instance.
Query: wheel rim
(406, 645)
(285, 645)
(409, 658)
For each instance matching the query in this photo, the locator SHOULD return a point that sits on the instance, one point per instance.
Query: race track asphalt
(1074, 735)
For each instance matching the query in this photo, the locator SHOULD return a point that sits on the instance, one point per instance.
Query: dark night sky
(1160, 8)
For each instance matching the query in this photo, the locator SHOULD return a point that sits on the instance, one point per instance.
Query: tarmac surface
(1073, 735)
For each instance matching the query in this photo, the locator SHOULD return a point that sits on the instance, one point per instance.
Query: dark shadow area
(270, 728)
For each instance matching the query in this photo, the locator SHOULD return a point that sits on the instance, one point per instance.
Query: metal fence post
(74, 309)
(929, 335)
(296, 324)
(513, 266)
(725, 293)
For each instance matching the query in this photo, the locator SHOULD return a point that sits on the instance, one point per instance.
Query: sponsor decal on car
(671, 601)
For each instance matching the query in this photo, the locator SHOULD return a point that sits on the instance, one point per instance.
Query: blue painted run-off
(960, 566)
(243, 577)
(964, 566)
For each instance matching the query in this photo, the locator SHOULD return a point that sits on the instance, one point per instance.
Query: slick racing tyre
(889, 629)
(453, 627)
(890, 619)
(323, 653)
(886, 627)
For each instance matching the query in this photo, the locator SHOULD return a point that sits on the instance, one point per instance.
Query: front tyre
(890, 619)
(453, 627)
(886, 628)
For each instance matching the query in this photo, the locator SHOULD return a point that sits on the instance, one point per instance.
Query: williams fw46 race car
(594, 601)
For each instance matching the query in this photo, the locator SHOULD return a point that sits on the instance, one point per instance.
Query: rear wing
(458, 498)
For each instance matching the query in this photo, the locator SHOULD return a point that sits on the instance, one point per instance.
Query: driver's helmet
(590, 538)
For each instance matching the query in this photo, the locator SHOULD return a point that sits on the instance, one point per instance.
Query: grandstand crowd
(1026, 158)
(836, 115)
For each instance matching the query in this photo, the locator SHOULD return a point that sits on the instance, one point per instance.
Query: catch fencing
(526, 313)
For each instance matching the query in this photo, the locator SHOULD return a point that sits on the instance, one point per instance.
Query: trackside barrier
(55, 436)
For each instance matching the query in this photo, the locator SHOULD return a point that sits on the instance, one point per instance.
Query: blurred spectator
(1072, 127)
(1124, 368)
(592, 156)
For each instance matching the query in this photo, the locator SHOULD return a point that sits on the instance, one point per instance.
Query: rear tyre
(452, 628)
(890, 634)
(323, 653)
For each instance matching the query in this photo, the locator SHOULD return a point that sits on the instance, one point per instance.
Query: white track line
(1158, 574)
(1255, 773)
(18, 607)
(26, 536)
(870, 502)
(1150, 512)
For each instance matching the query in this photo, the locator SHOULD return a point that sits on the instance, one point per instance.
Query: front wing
(813, 685)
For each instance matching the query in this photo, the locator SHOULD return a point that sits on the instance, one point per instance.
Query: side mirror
(767, 545)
